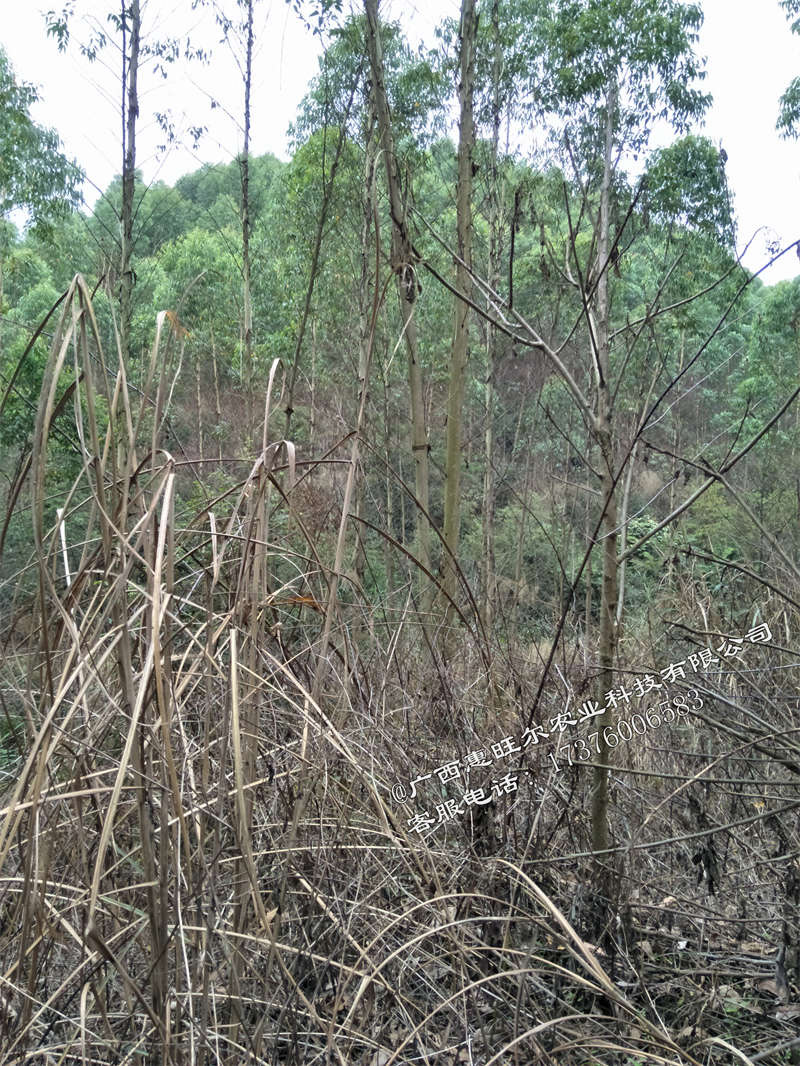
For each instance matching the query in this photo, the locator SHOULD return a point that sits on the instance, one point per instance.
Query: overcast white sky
(751, 53)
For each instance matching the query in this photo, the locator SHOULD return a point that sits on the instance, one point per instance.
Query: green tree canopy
(789, 116)
(644, 49)
(34, 173)
(686, 184)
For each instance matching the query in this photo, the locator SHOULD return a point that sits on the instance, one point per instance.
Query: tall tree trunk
(254, 591)
(217, 403)
(244, 167)
(365, 314)
(459, 349)
(587, 613)
(673, 485)
(404, 266)
(312, 411)
(199, 400)
(131, 33)
(495, 253)
(316, 254)
(623, 521)
(605, 439)
(523, 514)
(388, 549)
(131, 26)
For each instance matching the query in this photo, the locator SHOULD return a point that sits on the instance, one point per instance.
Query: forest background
(357, 508)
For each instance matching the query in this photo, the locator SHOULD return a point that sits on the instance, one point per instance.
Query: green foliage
(646, 49)
(522, 60)
(18, 416)
(645, 571)
(788, 122)
(251, 575)
(686, 185)
(316, 15)
(160, 215)
(34, 174)
(714, 524)
(770, 369)
(212, 195)
(789, 116)
(339, 95)
(792, 9)
(557, 60)
(195, 278)
(68, 248)
(23, 270)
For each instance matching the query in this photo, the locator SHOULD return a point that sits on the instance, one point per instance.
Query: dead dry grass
(200, 858)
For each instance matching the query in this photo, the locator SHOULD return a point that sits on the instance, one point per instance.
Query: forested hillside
(400, 564)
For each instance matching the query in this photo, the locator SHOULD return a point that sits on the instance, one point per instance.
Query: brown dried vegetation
(200, 857)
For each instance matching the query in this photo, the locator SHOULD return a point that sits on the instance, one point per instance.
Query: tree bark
(244, 167)
(199, 400)
(605, 440)
(217, 402)
(460, 346)
(316, 257)
(495, 254)
(404, 267)
(132, 25)
(365, 314)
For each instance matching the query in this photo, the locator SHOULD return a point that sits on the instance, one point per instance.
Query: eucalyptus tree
(336, 108)
(491, 54)
(34, 173)
(504, 63)
(127, 25)
(404, 265)
(244, 163)
(337, 119)
(235, 19)
(789, 116)
(468, 29)
(493, 275)
(124, 29)
(160, 214)
(612, 71)
(244, 31)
